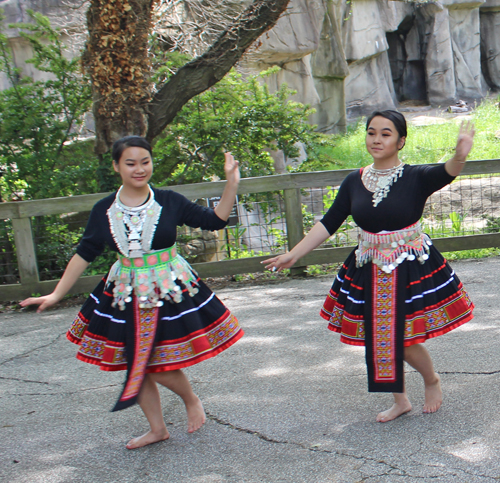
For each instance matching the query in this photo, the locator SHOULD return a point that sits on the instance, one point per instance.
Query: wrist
(57, 296)
(459, 159)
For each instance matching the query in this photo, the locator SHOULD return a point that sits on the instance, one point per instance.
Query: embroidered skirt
(386, 312)
(146, 340)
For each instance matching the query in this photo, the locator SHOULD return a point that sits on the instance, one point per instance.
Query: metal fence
(272, 214)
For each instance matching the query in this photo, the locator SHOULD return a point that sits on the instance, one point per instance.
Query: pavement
(287, 403)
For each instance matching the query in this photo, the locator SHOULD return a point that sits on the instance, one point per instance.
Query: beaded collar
(379, 181)
(133, 228)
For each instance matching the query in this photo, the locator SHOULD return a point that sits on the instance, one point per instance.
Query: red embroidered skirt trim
(166, 355)
(194, 330)
(430, 312)
(351, 327)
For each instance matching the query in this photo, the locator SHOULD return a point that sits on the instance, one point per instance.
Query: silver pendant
(135, 249)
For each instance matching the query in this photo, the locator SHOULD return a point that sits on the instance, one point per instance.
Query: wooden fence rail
(20, 214)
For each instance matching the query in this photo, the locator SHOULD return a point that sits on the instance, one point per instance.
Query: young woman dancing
(152, 315)
(395, 290)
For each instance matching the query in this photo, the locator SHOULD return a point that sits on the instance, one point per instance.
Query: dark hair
(396, 117)
(129, 142)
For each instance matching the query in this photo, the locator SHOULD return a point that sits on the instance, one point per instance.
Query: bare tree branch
(206, 70)
(191, 26)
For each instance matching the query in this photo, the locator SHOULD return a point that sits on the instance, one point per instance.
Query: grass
(425, 144)
(468, 254)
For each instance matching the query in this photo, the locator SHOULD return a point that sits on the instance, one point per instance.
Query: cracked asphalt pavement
(287, 403)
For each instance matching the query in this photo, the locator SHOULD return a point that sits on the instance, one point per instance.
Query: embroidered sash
(385, 301)
(141, 335)
(384, 329)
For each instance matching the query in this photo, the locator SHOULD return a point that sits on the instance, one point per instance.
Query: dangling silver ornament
(379, 181)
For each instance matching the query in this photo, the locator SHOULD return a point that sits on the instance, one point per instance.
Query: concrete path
(288, 403)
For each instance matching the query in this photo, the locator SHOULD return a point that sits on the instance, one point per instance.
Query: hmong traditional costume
(152, 313)
(395, 289)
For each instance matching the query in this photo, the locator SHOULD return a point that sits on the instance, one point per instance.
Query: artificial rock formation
(354, 57)
(490, 42)
(308, 45)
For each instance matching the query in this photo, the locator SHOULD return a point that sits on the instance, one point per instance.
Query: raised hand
(464, 141)
(231, 168)
(225, 205)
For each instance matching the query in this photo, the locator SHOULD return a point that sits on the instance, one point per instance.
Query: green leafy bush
(39, 120)
(238, 115)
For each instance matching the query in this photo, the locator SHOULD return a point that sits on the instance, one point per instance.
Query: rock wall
(489, 15)
(307, 43)
(347, 58)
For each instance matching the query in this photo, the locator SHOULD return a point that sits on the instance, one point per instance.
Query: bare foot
(433, 396)
(196, 415)
(148, 438)
(396, 410)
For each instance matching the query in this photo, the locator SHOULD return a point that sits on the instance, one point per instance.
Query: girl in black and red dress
(152, 315)
(395, 290)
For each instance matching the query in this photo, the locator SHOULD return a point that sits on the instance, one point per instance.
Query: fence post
(294, 222)
(25, 250)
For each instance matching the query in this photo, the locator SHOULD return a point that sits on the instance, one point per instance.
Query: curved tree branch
(208, 69)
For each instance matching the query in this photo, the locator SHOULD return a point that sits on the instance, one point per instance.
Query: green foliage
(329, 198)
(279, 237)
(8, 259)
(164, 61)
(39, 119)
(319, 155)
(307, 218)
(237, 115)
(338, 151)
(475, 253)
(456, 221)
(234, 245)
(39, 158)
(492, 224)
(324, 269)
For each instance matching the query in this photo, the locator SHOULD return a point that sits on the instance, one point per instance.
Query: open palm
(465, 140)
(231, 168)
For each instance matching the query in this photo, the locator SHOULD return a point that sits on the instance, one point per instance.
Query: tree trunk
(116, 58)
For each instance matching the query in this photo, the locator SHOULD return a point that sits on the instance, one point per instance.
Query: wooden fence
(20, 214)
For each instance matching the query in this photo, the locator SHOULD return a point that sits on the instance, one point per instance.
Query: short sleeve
(341, 207)
(196, 216)
(433, 178)
(92, 243)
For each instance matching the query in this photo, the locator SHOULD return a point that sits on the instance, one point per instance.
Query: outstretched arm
(465, 139)
(312, 240)
(74, 269)
(225, 205)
